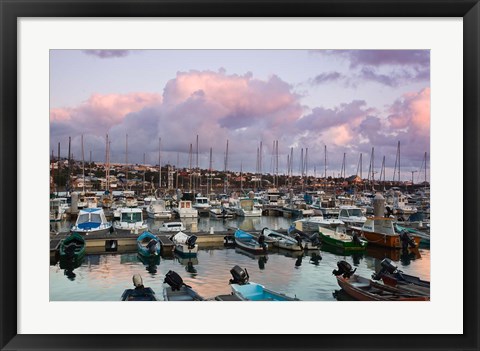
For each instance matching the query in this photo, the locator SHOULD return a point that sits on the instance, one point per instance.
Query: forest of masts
(189, 178)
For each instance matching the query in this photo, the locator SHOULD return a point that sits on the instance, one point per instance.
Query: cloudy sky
(349, 101)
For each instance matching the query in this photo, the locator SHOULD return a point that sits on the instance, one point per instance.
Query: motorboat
(92, 221)
(351, 216)
(316, 222)
(381, 231)
(220, 212)
(392, 276)
(177, 290)
(282, 241)
(148, 245)
(309, 242)
(185, 244)
(185, 209)
(156, 209)
(58, 207)
(143, 294)
(131, 222)
(202, 204)
(172, 227)
(342, 240)
(72, 247)
(247, 208)
(365, 289)
(249, 291)
(248, 242)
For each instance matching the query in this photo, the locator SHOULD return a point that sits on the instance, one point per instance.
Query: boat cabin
(379, 225)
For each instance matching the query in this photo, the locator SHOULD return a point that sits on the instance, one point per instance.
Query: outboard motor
(387, 267)
(240, 276)
(261, 241)
(174, 280)
(344, 269)
(356, 240)
(298, 238)
(152, 246)
(315, 239)
(406, 240)
(70, 249)
(192, 239)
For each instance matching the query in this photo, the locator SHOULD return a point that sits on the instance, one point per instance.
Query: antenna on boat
(58, 168)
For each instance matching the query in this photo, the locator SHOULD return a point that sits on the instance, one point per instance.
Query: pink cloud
(101, 112)
(412, 111)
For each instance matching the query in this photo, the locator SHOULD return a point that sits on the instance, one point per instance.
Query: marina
(296, 191)
(306, 275)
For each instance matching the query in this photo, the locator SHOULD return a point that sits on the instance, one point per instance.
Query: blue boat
(92, 221)
(148, 245)
(246, 291)
(248, 242)
(257, 292)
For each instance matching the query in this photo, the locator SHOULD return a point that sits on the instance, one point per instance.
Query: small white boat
(185, 209)
(201, 204)
(282, 241)
(91, 221)
(220, 212)
(185, 244)
(315, 222)
(172, 227)
(131, 222)
(352, 216)
(247, 208)
(58, 207)
(156, 210)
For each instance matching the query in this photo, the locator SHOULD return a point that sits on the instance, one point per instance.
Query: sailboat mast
(67, 184)
(83, 164)
(325, 162)
(126, 159)
(144, 171)
(159, 163)
(58, 168)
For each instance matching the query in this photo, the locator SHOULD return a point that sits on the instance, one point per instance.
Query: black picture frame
(11, 10)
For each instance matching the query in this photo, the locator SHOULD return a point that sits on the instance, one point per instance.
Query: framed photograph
(258, 175)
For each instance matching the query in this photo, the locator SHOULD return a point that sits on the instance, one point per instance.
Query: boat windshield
(96, 218)
(355, 212)
(132, 217)
(82, 218)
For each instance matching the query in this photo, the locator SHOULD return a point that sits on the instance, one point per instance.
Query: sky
(346, 100)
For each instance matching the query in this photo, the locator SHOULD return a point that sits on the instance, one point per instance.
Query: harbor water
(307, 276)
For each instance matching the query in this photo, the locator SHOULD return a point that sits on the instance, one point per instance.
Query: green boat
(73, 247)
(341, 240)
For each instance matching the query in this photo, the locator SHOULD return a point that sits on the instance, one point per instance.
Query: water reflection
(189, 263)
(150, 263)
(69, 265)
(315, 258)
